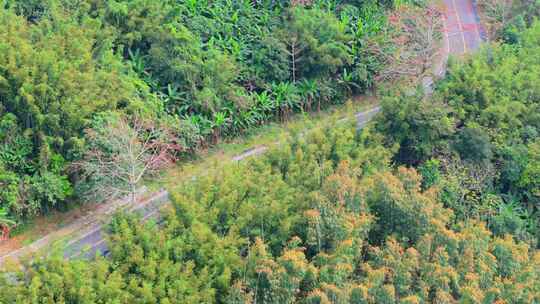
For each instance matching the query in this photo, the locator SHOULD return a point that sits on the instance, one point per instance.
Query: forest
(177, 75)
(436, 201)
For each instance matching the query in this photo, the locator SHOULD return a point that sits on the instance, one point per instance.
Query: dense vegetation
(480, 130)
(437, 202)
(198, 69)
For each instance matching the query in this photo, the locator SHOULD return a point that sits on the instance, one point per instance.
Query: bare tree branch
(414, 44)
(120, 153)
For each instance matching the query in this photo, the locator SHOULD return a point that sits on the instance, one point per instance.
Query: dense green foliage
(52, 80)
(482, 128)
(203, 69)
(437, 203)
(322, 219)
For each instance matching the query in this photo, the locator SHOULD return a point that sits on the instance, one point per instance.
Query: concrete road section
(462, 28)
(462, 33)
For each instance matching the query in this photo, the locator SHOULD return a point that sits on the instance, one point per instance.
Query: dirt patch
(44, 225)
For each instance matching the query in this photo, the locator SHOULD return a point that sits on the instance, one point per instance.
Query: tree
(119, 153)
(530, 177)
(58, 72)
(414, 43)
(10, 194)
(294, 49)
(465, 188)
(402, 210)
(505, 19)
(218, 124)
(286, 98)
(497, 14)
(316, 43)
(474, 144)
(308, 90)
(305, 223)
(430, 171)
(421, 127)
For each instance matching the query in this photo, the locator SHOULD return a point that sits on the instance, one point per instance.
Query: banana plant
(326, 93)
(329, 5)
(285, 97)
(257, 116)
(193, 6)
(235, 48)
(218, 124)
(265, 104)
(308, 90)
(138, 65)
(372, 18)
(509, 217)
(201, 124)
(175, 100)
(347, 82)
(247, 120)
(136, 60)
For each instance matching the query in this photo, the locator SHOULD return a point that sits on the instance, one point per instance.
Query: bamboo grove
(197, 71)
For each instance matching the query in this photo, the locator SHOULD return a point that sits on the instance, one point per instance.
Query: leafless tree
(293, 49)
(119, 153)
(414, 45)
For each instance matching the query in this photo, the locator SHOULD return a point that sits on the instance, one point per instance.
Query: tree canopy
(436, 201)
(324, 218)
(202, 70)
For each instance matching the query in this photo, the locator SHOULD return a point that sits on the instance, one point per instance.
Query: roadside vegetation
(505, 19)
(436, 202)
(177, 76)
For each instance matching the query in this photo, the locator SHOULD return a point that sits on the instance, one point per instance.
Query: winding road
(463, 33)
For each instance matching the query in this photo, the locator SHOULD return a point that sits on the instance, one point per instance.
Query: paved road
(462, 33)
(89, 238)
(92, 241)
(462, 28)
(362, 117)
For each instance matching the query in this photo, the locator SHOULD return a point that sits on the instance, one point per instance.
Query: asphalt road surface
(462, 27)
(90, 238)
(92, 241)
